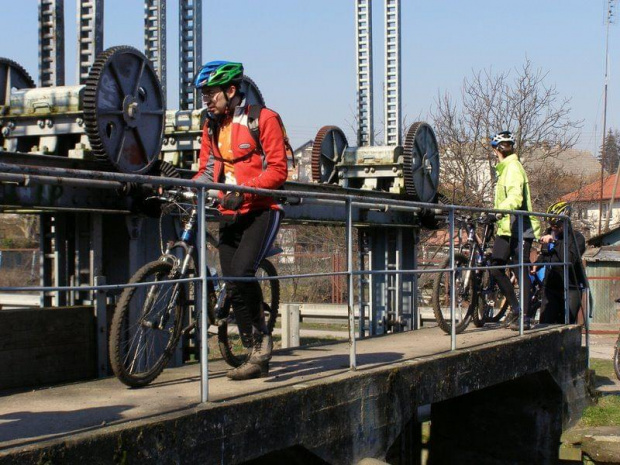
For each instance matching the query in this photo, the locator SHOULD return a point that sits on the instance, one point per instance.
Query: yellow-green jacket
(512, 192)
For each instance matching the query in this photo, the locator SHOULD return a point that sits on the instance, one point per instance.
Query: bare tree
(23, 227)
(519, 101)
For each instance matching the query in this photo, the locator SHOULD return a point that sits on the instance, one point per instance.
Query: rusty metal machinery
(411, 170)
(183, 131)
(116, 117)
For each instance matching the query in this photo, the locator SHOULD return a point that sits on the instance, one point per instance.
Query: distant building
(586, 202)
(572, 161)
(302, 171)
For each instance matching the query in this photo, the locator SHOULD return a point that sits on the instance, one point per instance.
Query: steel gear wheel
(421, 162)
(252, 93)
(12, 76)
(124, 110)
(327, 151)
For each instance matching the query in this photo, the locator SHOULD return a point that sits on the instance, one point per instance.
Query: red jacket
(252, 168)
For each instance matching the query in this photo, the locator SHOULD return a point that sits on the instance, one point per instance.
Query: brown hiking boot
(249, 370)
(257, 365)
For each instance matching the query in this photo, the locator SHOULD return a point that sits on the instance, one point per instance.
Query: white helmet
(504, 136)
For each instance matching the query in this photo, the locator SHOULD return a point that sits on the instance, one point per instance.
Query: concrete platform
(310, 399)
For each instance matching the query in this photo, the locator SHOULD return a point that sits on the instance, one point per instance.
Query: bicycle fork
(154, 291)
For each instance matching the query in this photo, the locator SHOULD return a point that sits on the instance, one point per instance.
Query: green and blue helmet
(219, 73)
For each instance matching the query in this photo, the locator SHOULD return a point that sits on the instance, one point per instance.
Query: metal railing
(81, 178)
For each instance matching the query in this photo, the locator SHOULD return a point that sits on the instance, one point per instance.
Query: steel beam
(90, 35)
(155, 37)
(392, 102)
(190, 51)
(363, 41)
(51, 43)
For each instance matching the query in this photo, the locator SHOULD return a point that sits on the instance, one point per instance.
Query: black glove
(232, 201)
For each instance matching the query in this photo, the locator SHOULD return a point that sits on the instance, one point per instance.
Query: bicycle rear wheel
(229, 338)
(463, 304)
(146, 325)
(490, 303)
(617, 358)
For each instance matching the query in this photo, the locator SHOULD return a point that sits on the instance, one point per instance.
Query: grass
(606, 412)
(604, 368)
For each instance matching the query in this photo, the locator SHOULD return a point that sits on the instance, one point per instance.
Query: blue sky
(302, 54)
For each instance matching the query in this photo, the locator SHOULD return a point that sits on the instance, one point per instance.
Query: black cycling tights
(505, 249)
(243, 244)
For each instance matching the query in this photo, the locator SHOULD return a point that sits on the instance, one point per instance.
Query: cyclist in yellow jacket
(512, 192)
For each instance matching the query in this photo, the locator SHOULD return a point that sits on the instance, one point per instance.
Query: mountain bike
(477, 295)
(149, 320)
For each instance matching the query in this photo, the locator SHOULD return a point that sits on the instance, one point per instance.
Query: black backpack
(253, 115)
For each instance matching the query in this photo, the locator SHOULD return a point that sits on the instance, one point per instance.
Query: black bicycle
(477, 295)
(148, 321)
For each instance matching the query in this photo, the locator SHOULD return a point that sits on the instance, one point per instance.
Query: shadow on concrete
(604, 381)
(282, 371)
(25, 424)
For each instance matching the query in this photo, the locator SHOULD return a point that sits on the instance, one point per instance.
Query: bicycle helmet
(559, 208)
(504, 136)
(218, 73)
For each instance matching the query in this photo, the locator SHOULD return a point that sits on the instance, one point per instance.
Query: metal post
(155, 37)
(452, 283)
(349, 225)
(363, 40)
(586, 322)
(51, 43)
(190, 51)
(565, 269)
(101, 318)
(392, 73)
(90, 35)
(290, 325)
(204, 291)
(521, 270)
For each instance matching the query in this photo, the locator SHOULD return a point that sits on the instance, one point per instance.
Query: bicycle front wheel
(442, 297)
(229, 338)
(491, 305)
(146, 325)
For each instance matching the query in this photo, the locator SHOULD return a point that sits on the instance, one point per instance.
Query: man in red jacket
(230, 155)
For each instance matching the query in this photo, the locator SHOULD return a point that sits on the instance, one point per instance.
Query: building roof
(580, 163)
(592, 192)
(606, 238)
(602, 254)
(571, 161)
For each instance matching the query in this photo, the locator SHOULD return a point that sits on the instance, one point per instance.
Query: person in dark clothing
(552, 306)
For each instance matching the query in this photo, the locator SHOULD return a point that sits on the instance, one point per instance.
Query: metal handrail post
(352, 343)
(565, 269)
(452, 283)
(586, 322)
(204, 293)
(521, 274)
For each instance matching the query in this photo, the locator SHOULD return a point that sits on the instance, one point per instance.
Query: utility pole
(610, 6)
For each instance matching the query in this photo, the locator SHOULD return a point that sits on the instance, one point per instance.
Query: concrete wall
(502, 402)
(46, 346)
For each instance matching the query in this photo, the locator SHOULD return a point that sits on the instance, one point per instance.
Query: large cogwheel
(327, 151)
(12, 76)
(421, 162)
(124, 110)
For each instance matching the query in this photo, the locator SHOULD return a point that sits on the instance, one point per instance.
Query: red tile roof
(592, 191)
